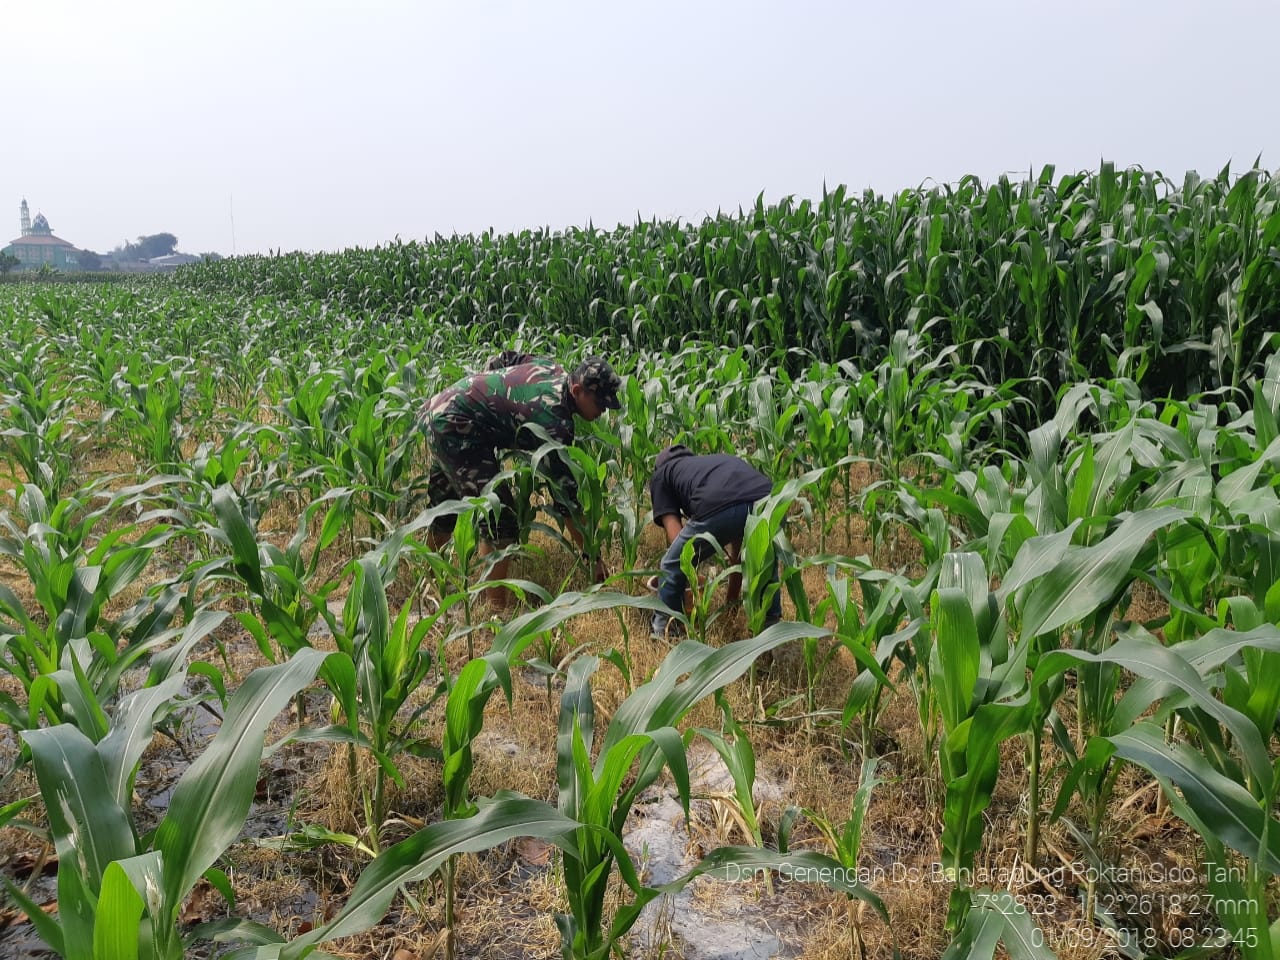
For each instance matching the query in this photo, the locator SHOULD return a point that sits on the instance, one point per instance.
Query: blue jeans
(726, 526)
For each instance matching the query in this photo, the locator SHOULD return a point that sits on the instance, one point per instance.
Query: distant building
(173, 260)
(38, 246)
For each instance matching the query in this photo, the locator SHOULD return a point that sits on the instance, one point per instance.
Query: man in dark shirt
(472, 424)
(710, 494)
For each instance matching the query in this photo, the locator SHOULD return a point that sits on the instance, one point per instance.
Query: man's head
(670, 453)
(594, 387)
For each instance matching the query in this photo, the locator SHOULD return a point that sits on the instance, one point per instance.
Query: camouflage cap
(596, 375)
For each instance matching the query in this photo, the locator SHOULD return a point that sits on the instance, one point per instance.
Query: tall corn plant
(1055, 585)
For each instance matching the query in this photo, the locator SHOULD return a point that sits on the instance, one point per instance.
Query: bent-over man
(691, 495)
(471, 425)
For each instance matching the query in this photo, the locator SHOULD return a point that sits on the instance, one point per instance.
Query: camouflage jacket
(494, 410)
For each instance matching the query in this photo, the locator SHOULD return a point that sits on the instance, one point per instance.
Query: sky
(253, 126)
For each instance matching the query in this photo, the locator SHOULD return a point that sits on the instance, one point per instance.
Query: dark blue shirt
(695, 487)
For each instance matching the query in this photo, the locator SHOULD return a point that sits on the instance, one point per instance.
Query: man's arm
(672, 524)
(733, 592)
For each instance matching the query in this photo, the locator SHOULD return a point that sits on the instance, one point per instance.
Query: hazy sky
(256, 125)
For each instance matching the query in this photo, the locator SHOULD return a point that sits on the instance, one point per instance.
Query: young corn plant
(39, 432)
(419, 857)
(768, 561)
(1226, 783)
(391, 664)
(845, 840)
(639, 743)
(700, 590)
(120, 893)
(460, 568)
(596, 515)
(980, 690)
(735, 750)
(314, 408)
(243, 459)
(151, 408)
(871, 638)
(279, 582)
(374, 459)
(827, 416)
(772, 424)
(73, 579)
(470, 691)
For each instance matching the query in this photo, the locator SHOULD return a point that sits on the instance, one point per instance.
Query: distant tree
(210, 257)
(156, 245)
(124, 253)
(7, 262)
(89, 260)
(147, 247)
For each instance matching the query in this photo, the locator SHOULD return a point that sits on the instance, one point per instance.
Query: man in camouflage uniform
(472, 424)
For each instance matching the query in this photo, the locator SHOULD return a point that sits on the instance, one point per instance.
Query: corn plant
(772, 417)
(470, 691)
(242, 459)
(373, 456)
(460, 569)
(768, 560)
(392, 664)
(151, 408)
(871, 638)
(980, 690)
(998, 918)
(72, 580)
(278, 581)
(638, 441)
(701, 591)
(119, 893)
(845, 839)
(39, 434)
(1058, 585)
(418, 857)
(640, 741)
(597, 515)
(1249, 673)
(827, 415)
(1228, 785)
(314, 409)
(735, 750)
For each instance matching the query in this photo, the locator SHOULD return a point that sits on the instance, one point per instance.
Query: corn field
(1025, 445)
